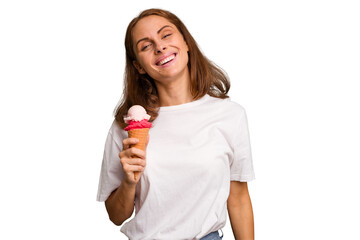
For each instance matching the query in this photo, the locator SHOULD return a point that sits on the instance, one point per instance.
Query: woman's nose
(160, 48)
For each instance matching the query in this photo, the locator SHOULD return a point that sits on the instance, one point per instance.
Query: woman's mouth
(167, 60)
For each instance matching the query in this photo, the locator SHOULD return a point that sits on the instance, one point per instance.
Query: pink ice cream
(137, 118)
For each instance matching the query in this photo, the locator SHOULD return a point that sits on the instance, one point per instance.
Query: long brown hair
(140, 89)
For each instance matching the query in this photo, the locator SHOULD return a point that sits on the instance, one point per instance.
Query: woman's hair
(140, 89)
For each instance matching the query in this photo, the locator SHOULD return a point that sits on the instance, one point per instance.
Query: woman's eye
(167, 35)
(145, 47)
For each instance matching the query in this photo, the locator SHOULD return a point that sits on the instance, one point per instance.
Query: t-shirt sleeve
(111, 170)
(241, 167)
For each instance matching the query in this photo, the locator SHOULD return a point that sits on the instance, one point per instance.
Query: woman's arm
(120, 203)
(240, 211)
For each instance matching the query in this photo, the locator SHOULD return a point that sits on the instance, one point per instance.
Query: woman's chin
(171, 75)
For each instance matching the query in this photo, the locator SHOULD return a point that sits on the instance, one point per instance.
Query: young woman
(198, 159)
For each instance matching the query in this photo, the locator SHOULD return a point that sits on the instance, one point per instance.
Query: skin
(120, 203)
(154, 39)
(240, 211)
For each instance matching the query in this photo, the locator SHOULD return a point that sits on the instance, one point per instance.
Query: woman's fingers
(133, 160)
(133, 153)
(132, 165)
(127, 142)
(128, 168)
(136, 161)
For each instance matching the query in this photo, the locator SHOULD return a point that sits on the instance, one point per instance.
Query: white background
(294, 66)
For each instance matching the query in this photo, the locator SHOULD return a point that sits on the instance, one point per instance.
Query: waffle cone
(142, 135)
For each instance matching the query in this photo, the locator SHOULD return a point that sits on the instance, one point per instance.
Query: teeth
(168, 59)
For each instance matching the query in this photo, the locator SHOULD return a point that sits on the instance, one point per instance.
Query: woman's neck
(174, 92)
(171, 98)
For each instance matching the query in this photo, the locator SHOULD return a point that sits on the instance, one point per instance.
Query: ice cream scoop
(136, 113)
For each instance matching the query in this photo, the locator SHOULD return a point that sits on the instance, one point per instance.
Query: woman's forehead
(150, 25)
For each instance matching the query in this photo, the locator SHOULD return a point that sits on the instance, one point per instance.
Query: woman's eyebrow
(163, 28)
(143, 39)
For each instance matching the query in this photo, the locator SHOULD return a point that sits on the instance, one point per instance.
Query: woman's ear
(138, 67)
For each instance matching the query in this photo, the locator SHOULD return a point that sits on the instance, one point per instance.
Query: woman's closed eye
(145, 47)
(148, 45)
(167, 35)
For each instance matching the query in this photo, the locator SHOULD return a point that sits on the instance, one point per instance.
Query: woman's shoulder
(117, 132)
(227, 105)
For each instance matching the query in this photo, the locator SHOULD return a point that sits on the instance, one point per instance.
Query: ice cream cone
(142, 135)
(138, 127)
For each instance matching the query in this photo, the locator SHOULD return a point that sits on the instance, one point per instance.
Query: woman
(198, 159)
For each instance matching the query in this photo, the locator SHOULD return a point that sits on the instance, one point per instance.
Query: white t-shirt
(195, 150)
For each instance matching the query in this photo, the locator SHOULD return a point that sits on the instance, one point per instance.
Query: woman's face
(160, 49)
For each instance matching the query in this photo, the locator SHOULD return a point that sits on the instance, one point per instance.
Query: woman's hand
(132, 160)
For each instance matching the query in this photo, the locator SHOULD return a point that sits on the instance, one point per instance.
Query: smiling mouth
(166, 60)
